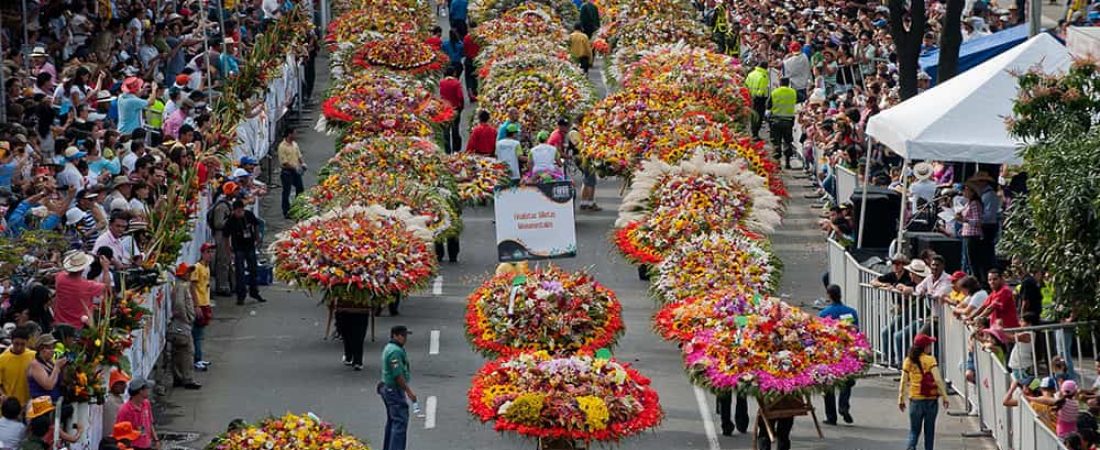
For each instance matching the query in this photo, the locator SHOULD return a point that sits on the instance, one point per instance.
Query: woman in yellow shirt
(922, 385)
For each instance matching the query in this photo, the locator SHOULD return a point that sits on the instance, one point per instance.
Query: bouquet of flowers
(387, 10)
(476, 176)
(646, 32)
(403, 53)
(697, 133)
(544, 49)
(292, 431)
(361, 24)
(544, 309)
(691, 68)
(389, 189)
(679, 320)
(415, 158)
(712, 261)
(543, 91)
(543, 176)
(385, 107)
(483, 11)
(576, 397)
(363, 255)
(667, 203)
(779, 350)
(524, 22)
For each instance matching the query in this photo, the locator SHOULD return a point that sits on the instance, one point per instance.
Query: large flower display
(389, 189)
(670, 203)
(778, 350)
(544, 309)
(680, 320)
(542, 88)
(364, 24)
(522, 23)
(387, 11)
(483, 11)
(361, 255)
(576, 397)
(476, 176)
(716, 261)
(385, 106)
(412, 157)
(646, 32)
(291, 431)
(402, 53)
(692, 68)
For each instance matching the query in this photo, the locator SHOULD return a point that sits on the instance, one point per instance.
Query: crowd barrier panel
(846, 183)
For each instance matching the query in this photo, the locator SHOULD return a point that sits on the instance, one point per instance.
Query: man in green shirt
(394, 388)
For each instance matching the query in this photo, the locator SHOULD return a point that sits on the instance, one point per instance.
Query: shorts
(589, 177)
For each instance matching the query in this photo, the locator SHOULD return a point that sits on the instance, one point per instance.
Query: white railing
(884, 313)
(846, 183)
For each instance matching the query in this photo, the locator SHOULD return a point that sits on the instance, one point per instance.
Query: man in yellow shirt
(290, 159)
(580, 48)
(200, 291)
(13, 366)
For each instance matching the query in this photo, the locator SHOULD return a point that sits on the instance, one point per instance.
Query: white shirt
(169, 108)
(976, 299)
(129, 161)
(123, 247)
(937, 288)
(11, 432)
(71, 177)
(506, 153)
(797, 69)
(271, 9)
(543, 158)
(923, 189)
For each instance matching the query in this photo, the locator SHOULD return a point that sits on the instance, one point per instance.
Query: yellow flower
(595, 410)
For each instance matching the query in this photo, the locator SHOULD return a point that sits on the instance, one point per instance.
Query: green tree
(1057, 226)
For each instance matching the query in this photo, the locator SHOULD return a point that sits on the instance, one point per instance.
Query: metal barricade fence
(846, 183)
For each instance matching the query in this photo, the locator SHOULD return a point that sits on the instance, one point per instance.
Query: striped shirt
(972, 219)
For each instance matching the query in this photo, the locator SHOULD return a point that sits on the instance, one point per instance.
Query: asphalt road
(271, 358)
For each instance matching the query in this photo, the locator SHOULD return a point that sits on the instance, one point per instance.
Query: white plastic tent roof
(963, 119)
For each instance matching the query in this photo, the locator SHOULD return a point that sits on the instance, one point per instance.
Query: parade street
(271, 358)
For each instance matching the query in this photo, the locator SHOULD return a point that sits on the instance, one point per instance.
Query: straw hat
(39, 406)
(922, 171)
(918, 267)
(77, 261)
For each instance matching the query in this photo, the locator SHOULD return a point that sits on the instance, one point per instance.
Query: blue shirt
(228, 65)
(839, 311)
(502, 130)
(453, 49)
(7, 172)
(458, 9)
(130, 107)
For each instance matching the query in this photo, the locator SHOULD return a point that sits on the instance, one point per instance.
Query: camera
(139, 278)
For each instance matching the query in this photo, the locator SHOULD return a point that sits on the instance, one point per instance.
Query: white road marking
(433, 343)
(708, 422)
(429, 419)
(437, 285)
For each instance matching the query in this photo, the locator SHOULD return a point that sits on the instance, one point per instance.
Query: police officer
(782, 102)
(757, 83)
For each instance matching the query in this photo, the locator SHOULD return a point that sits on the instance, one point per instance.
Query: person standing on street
(223, 255)
(580, 48)
(290, 158)
(204, 311)
(179, 330)
(508, 152)
(458, 13)
(470, 49)
(837, 310)
(757, 83)
(588, 182)
(590, 18)
(243, 229)
(783, 100)
(450, 89)
(483, 138)
(796, 67)
(740, 414)
(352, 326)
(922, 385)
(394, 389)
(139, 412)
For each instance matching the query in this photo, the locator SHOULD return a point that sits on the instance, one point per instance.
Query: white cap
(73, 215)
(239, 172)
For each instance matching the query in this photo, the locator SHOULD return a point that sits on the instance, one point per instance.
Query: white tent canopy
(963, 119)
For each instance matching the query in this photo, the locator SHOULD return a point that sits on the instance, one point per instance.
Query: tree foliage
(1058, 228)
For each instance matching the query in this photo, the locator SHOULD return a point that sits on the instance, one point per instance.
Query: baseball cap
(958, 275)
(248, 161)
(239, 172)
(138, 383)
(512, 128)
(400, 330)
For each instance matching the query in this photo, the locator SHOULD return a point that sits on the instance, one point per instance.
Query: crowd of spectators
(108, 105)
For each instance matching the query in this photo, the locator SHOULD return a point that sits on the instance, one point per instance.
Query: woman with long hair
(922, 385)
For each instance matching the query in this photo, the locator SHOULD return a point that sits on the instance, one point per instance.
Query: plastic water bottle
(416, 410)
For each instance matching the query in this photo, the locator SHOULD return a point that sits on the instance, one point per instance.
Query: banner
(535, 222)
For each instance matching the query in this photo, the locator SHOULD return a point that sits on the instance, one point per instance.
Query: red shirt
(435, 41)
(141, 417)
(1003, 306)
(470, 47)
(483, 140)
(451, 90)
(557, 139)
(74, 298)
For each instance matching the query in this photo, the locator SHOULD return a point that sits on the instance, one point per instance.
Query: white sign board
(535, 222)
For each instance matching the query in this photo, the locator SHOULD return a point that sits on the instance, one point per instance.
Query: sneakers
(258, 298)
(199, 366)
(357, 367)
(847, 417)
(347, 362)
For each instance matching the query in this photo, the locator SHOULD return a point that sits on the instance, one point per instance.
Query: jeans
(829, 185)
(397, 417)
(243, 259)
(291, 179)
(353, 330)
(782, 429)
(844, 400)
(740, 415)
(894, 353)
(1063, 343)
(453, 136)
(197, 335)
(922, 415)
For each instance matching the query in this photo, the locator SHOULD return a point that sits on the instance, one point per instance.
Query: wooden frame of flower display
(291, 431)
(565, 398)
(670, 203)
(543, 309)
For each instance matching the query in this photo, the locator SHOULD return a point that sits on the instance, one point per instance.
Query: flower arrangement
(522, 23)
(712, 261)
(577, 397)
(697, 133)
(386, 107)
(541, 47)
(645, 32)
(389, 189)
(544, 309)
(679, 320)
(483, 11)
(361, 24)
(403, 53)
(477, 176)
(387, 10)
(363, 255)
(542, 91)
(779, 350)
(291, 431)
(691, 68)
(415, 158)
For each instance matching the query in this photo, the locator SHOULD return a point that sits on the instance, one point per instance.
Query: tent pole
(904, 200)
(863, 201)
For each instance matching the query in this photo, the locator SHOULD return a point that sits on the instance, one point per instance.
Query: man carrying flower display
(580, 48)
(837, 310)
(450, 89)
(394, 388)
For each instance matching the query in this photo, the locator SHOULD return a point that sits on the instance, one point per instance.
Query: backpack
(928, 386)
(210, 212)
